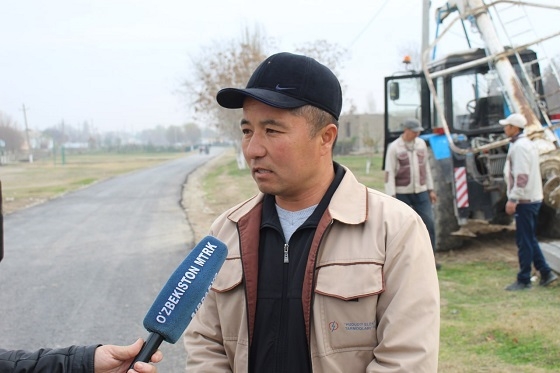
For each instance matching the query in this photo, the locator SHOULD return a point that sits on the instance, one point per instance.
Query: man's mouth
(261, 171)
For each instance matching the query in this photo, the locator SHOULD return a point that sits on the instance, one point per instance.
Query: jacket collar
(518, 136)
(270, 214)
(348, 203)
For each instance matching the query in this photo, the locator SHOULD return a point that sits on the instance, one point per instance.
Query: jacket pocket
(229, 276)
(345, 306)
(230, 301)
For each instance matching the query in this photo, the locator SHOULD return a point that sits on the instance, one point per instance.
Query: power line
(369, 23)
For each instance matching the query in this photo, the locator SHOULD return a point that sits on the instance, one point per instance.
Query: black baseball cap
(288, 81)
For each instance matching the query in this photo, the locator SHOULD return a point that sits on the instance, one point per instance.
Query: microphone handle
(150, 346)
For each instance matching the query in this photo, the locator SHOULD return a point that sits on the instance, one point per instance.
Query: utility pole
(425, 26)
(27, 134)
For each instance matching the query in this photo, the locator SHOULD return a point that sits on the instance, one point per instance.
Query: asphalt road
(86, 267)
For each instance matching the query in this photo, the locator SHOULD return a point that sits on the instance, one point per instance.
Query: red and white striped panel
(461, 187)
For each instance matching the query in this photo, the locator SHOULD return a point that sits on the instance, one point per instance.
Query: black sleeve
(74, 359)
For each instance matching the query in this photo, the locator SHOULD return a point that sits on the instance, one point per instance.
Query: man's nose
(254, 147)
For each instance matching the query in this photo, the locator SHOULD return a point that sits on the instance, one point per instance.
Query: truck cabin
(473, 98)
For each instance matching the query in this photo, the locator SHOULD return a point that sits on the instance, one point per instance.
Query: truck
(460, 97)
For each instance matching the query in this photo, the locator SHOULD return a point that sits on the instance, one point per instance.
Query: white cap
(514, 119)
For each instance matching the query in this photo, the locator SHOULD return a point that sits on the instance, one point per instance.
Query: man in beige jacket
(408, 176)
(323, 274)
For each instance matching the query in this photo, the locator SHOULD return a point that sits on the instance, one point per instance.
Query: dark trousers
(528, 248)
(422, 204)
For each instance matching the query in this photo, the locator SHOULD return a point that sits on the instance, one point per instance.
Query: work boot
(548, 279)
(518, 286)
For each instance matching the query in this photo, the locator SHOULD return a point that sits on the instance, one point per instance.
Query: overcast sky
(119, 63)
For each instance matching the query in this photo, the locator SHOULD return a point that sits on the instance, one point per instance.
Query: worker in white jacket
(525, 194)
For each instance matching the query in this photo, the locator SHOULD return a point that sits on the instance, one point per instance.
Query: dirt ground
(493, 243)
(201, 210)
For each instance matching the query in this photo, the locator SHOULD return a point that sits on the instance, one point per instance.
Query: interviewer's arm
(77, 359)
(59, 360)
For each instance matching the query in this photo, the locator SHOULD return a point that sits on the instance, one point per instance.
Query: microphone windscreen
(185, 290)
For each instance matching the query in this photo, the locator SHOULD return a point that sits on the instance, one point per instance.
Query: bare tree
(13, 139)
(227, 64)
(154, 136)
(9, 134)
(230, 64)
(192, 133)
(174, 135)
(7, 121)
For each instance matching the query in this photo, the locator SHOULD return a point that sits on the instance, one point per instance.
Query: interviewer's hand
(117, 359)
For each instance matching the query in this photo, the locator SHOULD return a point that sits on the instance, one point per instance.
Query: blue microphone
(182, 295)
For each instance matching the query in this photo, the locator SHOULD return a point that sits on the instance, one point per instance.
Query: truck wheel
(444, 210)
(549, 222)
(500, 216)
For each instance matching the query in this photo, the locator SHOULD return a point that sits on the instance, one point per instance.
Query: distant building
(363, 131)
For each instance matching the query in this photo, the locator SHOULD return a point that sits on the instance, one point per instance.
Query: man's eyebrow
(264, 122)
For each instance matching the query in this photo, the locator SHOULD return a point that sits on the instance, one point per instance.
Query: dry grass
(26, 184)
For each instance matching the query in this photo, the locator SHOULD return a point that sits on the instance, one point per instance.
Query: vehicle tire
(444, 210)
(502, 219)
(500, 216)
(549, 222)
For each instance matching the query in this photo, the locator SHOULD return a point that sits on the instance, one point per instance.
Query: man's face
(510, 130)
(279, 150)
(409, 135)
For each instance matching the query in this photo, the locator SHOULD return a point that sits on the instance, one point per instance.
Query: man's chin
(266, 188)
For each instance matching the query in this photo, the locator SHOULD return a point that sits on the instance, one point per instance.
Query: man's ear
(328, 136)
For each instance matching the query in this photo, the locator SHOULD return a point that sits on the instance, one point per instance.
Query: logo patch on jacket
(359, 326)
(353, 326)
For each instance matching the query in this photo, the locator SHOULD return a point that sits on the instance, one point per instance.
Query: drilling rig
(459, 99)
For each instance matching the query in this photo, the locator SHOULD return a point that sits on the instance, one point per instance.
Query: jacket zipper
(281, 363)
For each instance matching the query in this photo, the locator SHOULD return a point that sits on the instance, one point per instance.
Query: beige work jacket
(370, 297)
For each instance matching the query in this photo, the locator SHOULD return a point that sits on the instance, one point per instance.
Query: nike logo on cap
(278, 88)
